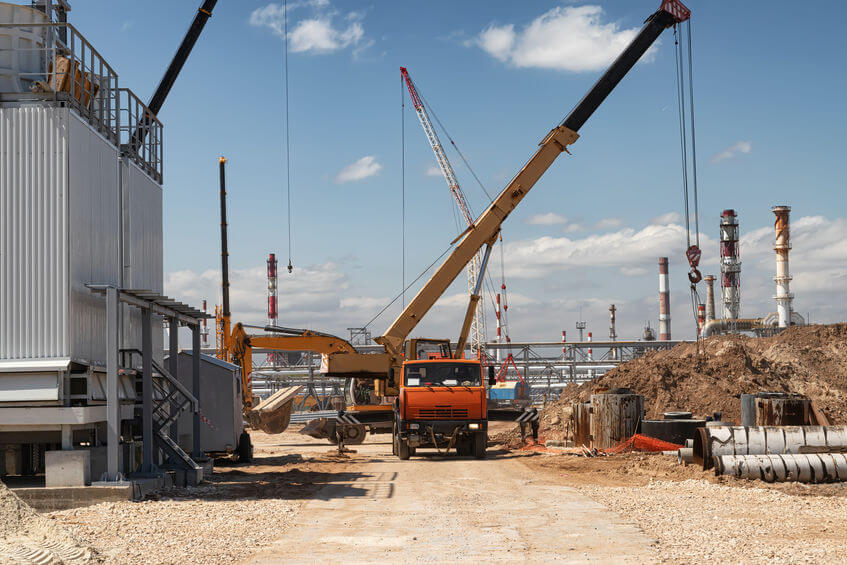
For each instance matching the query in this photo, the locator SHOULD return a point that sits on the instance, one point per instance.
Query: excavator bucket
(326, 428)
(273, 414)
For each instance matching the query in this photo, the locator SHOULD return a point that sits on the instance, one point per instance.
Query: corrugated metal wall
(142, 256)
(60, 229)
(94, 232)
(34, 270)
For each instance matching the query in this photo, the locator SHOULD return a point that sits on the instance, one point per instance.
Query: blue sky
(769, 107)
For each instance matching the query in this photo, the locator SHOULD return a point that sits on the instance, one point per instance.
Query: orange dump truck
(442, 404)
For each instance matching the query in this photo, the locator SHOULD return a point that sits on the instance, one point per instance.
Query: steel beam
(196, 451)
(113, 406)
(147, 464)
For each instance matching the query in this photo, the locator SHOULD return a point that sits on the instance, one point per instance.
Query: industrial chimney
(272, 290)
(613, 335)
(781, 246)
(664, 301)
(730, 266)
(710, 297)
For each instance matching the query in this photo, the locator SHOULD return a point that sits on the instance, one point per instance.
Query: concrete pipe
(804, 468)
(766, 440)
(685, 455)
(689, 443)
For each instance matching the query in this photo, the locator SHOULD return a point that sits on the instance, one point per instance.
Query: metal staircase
(170, 399)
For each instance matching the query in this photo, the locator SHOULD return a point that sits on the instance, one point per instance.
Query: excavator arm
(297, 340)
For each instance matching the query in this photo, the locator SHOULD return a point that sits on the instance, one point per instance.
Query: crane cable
(287, 137)
(692, 251)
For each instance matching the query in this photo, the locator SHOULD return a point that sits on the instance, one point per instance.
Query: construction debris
(808, 360)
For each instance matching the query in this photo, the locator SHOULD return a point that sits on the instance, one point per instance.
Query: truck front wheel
(403, 449)
(480, 442)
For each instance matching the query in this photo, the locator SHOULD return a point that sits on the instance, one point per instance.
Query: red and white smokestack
(730, 266)
(564, 349)
(272, 290)
(664, 301)
(205, 331)
(782, 245)
(590, 351)
(701, 317)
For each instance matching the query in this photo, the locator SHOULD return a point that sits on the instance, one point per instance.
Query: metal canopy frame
(149, 302)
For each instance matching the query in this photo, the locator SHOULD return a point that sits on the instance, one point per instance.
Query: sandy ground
(301, 503)
(437, 509)
(237, 513)
(696, 517)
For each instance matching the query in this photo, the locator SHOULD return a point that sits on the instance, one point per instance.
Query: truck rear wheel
(480, 442)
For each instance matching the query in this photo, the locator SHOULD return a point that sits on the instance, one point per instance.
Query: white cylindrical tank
(21, 48)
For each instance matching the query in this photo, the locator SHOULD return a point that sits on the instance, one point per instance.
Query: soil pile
(809, 360)
(28, 537)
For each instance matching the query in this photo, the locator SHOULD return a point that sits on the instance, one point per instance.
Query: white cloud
(608, 223)
(433, 171)
(634, 271)
(543, 256)
(363, 168)
(733, 150)
(548, 219)
(317, 34)
(567, 38)
(668, 218)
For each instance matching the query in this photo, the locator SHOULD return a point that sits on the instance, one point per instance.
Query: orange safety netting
(640, 442)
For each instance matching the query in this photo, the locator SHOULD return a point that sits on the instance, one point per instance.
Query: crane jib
(488, 223)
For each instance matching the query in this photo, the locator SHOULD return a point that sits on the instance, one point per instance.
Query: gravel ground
(696, 521)
(178, 530)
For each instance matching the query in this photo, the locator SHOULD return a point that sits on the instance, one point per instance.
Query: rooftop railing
(54, 63)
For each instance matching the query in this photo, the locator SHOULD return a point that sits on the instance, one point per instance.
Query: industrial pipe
(710, 442)
(741, 324)
(803, 468)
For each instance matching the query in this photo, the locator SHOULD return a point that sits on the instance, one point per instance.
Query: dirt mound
(28, 537)
(809, 360)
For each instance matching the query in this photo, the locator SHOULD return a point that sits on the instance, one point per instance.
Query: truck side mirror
(492, 380)
(391, 377)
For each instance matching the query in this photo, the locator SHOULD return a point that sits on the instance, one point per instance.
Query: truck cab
(442, 405)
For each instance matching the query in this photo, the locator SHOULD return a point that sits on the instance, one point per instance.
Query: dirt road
(447, 509)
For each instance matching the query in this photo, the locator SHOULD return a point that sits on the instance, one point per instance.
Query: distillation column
(710, 297)
(730, 266)
(782, 245)
(664, 301)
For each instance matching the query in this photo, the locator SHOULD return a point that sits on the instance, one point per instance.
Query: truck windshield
(443, 374)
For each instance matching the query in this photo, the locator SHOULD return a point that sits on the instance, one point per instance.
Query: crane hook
(290, 266)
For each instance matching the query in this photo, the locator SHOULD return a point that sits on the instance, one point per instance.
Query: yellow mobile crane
(483, 231)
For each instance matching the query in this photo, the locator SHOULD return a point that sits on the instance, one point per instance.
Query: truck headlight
(473, 426)
(412, 426)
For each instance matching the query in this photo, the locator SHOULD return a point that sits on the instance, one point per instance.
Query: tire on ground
(480, 442)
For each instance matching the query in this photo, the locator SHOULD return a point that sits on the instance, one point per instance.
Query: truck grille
(442, 413)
